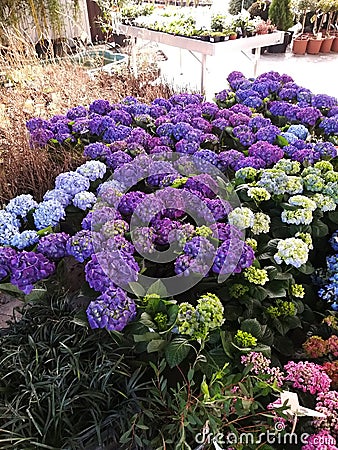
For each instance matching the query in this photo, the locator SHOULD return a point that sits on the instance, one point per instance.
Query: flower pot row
(313, 45)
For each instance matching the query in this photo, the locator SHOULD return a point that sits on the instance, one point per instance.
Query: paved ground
(316, 72)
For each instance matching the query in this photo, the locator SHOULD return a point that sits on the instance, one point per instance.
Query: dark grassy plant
(63, 386)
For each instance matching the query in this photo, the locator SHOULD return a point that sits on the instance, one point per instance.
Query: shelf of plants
(204, 48)
(205, 238)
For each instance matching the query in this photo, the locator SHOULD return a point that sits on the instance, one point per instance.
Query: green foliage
(280, 14)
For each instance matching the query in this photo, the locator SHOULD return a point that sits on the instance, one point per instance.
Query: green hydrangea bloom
(331, 176)
(294, 185)
(323, 166)
(179, 182)
(311, 171)
(288, 166)
(244, 339)
(238, 290)
(283, 308)
(256, 276)
(314, 183)
(210, 311)
(303, 202)
(261, 223)
(297, 290)
(324, 202)
(161, 321)
(259, 194)
(187, 319)
(307, 238)
(246, 174)
(241, 218)
(203, 231)
(253, 243)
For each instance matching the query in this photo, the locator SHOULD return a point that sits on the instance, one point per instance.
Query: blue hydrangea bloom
(21, 205)
(299, 130)
(9, 227)
(48, 213)
(58, 195)
(84, 200)
(24, 239)
(72, 183)
(92, 170)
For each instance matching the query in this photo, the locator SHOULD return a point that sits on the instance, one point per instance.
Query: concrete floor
(316, 72)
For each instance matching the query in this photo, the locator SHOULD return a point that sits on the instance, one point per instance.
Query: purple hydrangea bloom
(245, 135)
(40, 137)
(205, 156)
(76, 112)
(80, 245)
(218, 207)
(144, 240)
(118, 159)
(7, 254)
(229, 159)
(96, 276)
(204, 184)
(21, 205)
(268, 134)
(232, 257)
(220, 123)
(160, 149)
(242, 109)
(121, 117)
(98, 217)
(269, 153)
(288, 93)
(111, 310)
(323, 101)
(48, 214)
(53, 246)
(201, 124)
(96, 150)
(37, 123)
(163, 229)
(186, 147)
(101, 107)
(209, 109)
(250, 161)
(72, 183)
(326, 149)
(223, 232)
(97, 124)
(242, 94)
(27, 268)
(130, 201)
(333, 111)
(162, 102)
(329, 125)
(200, 247)
(180, 130)
(116, 133)
(139, 136)
(239, 119)
(257, 122)
(157, 111)
(309, 115)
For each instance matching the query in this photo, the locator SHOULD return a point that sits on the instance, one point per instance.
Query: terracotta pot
(232, 37)
(299, 45)
(313, 46)
(334, 47)
(326, 44)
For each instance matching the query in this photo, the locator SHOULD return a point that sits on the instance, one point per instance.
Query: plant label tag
(291, 399)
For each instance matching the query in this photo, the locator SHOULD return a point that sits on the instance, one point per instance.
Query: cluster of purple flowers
(329, 281)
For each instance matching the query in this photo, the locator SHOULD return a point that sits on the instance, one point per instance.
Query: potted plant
(280, 14)
(327, 8)
(303, 7)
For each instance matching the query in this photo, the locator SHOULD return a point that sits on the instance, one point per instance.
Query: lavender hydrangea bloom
(204, 184)
(72, 183)
(84, 200)
(80, 245)
(93, 170)
(27, 268)
(48, 214)
(21, 205)
(309, 115)
(232, 257)
(291, 138)
(239, 119)
(53, 246)
(96, 276)
(250, 161)
(111, 310)
(323, 101)
(96, 150)
(326, 150)
(58, 195)
(229, 159)
(223, 232)
(333, 111)
(25, 239)
(7, 254)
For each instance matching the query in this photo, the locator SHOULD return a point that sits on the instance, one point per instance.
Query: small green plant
(280, 14)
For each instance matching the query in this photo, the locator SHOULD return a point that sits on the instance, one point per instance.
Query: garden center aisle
(316, 72)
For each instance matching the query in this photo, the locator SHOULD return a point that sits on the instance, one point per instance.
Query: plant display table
(198, 46)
